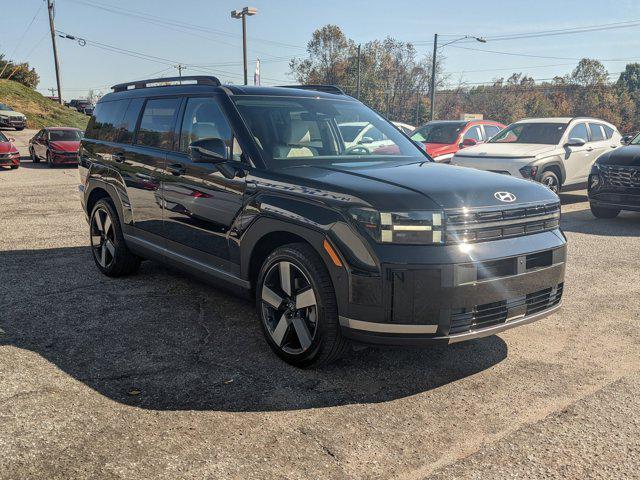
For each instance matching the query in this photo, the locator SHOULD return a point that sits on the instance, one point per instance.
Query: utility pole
(433, 77)
(242, 14)
(358, 78)
(53, 91)
(50, 7)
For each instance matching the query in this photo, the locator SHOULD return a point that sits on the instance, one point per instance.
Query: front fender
(544, 163)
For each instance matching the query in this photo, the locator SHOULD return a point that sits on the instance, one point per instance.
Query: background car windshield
(299, 130)
(65, 135)
(5, 107)
(3, 138)
(540, 133)
(438, 133)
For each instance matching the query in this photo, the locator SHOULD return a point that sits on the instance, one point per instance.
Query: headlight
(529, 171)
(414, 228)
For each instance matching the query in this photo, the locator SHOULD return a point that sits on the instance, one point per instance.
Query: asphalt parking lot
(161, 376)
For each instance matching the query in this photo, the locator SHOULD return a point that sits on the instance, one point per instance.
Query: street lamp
(433, 66)
(246, 11)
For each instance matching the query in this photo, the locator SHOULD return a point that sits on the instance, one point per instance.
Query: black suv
(614, 182)
(255, 188)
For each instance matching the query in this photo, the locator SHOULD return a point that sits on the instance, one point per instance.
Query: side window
(203, 118)
(127, 127)
(105, 120)
(474, 133)
(579, 131)
(158, 120)
(597, 134)
(491, 131)
(608, 131)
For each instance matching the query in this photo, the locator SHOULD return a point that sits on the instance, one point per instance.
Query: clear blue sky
(286, 25)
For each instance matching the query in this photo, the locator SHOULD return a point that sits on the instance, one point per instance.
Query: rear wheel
(13, 167)
(110, 252)
(551, 181)
(296, 304)
(603, 212)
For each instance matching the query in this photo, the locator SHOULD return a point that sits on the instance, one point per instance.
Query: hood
(435, 149)
(7, 147)
(628, 156)
(507, 150)
(12, 113)
(66, 146)
(426, 185)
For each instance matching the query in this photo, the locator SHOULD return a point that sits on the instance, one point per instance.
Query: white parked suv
(557, 152)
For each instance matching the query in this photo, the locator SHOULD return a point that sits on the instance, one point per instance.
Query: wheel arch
(556, 167)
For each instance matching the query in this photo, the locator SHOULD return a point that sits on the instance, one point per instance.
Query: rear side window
(106, 118)
(608, 131)
(128, 125)
(157, 123)
(597, 133)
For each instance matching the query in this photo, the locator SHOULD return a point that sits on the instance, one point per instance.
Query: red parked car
(443, 138)
(56, 145)
(9, 155)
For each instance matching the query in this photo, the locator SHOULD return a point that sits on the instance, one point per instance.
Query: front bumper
(8, 122)
(10, 160)
(623, 199)
(502, 285)
(64, 158)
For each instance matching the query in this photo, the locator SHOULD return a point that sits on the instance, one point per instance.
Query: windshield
(445, 133)
(316, 131)
(539, 133)
(5, 107)
(65, 135)
(3, 138)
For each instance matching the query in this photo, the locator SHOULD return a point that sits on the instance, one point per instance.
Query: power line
(38, 10)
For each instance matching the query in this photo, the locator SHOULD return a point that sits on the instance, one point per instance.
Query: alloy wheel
(102, 237)
(289, 307)
(551, 184)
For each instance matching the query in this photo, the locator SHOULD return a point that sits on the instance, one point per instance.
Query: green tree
(18, 72)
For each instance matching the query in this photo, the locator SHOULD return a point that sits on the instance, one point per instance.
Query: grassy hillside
(40, 111)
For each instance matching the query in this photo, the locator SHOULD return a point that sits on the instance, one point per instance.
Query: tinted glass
(127, 127)
(304, 130)
(580, 131)
(597, 134)
(203, 118)
(438, 132)
(105, 120)
(158, 120)
(65, 135)
(608, 131)
(474, 133)
(491, 131)
(4, 107)
(537, 133)
(3, 138)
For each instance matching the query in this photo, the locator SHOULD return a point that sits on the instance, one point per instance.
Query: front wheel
(551, 181)
(296, 303)
(13, 167)
(110, 252)
(603, 212)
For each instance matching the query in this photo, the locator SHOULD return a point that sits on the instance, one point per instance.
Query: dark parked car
(56, 145)
(254, 188)
(79, 104)
(614, 181)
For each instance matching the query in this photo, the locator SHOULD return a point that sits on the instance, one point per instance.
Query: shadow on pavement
(570, 198)
(627, 224)
(161, 340)
(26, 162)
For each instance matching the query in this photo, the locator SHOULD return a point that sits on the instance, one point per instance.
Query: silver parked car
(557, 152)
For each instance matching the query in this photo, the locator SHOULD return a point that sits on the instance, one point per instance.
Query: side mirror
(365, 140)
(208, 150)
(468, 142)
(575, 142)
(626, 139)
(11, 139)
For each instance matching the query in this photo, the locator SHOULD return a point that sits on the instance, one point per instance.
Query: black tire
(118, 259)
(327, 343)
(550, 180)
(603, 212)
(13, 167)
(34, 157)
(19, 129)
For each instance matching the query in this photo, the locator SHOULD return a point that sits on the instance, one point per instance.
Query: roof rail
(319, 88)
(200, 79)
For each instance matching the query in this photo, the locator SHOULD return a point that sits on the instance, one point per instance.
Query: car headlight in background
(411, 228)
(529, 171)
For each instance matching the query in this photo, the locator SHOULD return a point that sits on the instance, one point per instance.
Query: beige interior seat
(296, 136)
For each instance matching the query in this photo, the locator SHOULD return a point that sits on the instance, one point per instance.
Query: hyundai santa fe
(255, 189)
(557, 152)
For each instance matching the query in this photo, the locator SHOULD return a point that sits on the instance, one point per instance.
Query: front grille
(490, 224)
(489, 314)
(619, 176)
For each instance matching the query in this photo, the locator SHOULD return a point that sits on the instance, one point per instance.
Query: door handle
(118, 157)
(177, 169)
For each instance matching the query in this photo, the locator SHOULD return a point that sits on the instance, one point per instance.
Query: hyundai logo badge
(507, 197)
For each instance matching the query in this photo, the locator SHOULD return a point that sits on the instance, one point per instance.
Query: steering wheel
(357, 150)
